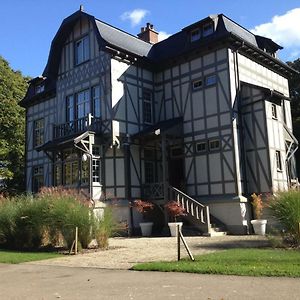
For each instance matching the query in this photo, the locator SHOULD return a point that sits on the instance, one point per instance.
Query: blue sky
(28, 26)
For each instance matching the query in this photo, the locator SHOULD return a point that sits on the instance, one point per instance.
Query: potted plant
(175, 210)
(144, 207)
(259, 225)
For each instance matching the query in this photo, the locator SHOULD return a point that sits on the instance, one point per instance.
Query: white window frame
(202, 150)
(147, 104)
(195, 35)
(38, 132)
(197, 84)
(82, 50)
(210, 80)
(278, 161)
(207, 29)
(213, 148)
(274, 111)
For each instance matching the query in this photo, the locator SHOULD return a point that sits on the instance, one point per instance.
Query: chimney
(148, 34)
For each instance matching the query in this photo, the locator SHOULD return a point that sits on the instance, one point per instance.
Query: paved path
(123, 253)
(52, 282)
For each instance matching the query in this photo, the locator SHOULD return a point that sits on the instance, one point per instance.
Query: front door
(176, 168)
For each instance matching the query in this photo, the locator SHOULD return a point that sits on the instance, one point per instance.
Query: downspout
(239, 117)
(127, 154)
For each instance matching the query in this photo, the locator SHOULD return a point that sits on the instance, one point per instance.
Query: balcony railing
(77, 126)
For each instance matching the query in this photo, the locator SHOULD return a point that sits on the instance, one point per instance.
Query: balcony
(77, 126)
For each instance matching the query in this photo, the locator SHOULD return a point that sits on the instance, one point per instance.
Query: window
(70, 168)
(70, 108)
(96, 170)
(278, 161)
(96, 101)
(201, 147)
(96, 150)
(57, 175)
(208, 29)
(39, 88)
(147, 106)
(197, 84)
(82, 104)
(85, 172)
(38, 132)
(195, 35)
(214, 145)
(274, 111)
(37, 178)
(149, 172)
(82, 50)
(210, 80)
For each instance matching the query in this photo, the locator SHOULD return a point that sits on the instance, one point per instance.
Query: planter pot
(259, 226)
(172, 227)
(146, 228)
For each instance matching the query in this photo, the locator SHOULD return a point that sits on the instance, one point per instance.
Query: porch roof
(162, 126)
(62, 142)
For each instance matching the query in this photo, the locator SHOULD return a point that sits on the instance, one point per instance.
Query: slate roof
(122, 39)
(176, 45)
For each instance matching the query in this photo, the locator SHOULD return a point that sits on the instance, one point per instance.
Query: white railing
(192, 207)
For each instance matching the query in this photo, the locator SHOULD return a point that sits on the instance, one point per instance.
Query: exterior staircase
(200, 221)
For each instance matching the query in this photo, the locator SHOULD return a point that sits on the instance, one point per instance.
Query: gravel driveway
(123, 253)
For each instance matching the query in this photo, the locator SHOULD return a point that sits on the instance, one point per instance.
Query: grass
(243, 262)
(15, 257)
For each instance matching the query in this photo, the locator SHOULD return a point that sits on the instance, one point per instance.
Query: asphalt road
(28, 281)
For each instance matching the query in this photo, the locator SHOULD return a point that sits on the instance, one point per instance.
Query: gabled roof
(177, 45)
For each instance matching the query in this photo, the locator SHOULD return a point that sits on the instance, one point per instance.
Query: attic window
(208, 29)
(197, 84)
(195, 35)
(82, 50)
(39, 88)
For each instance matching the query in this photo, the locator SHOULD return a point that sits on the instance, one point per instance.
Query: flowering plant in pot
(144, 207)
(174, 210)
(259, 225)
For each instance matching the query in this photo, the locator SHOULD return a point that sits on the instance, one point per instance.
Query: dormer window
(82, 50)
(39, 88)
(195, 35)
(208, 29)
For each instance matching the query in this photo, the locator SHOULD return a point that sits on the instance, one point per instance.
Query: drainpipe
(126, 145)
(239, 115)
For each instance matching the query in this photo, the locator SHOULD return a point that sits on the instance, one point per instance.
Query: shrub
(174, 209)
(257, 205)
(104, 228)
(285, 207)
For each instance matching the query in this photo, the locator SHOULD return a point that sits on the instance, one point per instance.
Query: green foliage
(285, 207)
(13, 257)
(12, 127)
(25, 221)
(28, 222)
(244, 262)
(104, 228)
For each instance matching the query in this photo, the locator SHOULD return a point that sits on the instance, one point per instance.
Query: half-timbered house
(202, 117)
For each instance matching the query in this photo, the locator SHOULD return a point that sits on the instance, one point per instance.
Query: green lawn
(250, 262)
(15, 257)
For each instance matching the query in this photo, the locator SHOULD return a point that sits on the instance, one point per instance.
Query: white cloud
(135, 16)
(162, 35)
(284, 30)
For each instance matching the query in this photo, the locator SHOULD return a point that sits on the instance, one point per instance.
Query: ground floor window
(37, 178)
(70, 169)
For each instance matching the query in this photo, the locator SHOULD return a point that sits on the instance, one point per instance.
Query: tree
(295, 105)
(13, 87)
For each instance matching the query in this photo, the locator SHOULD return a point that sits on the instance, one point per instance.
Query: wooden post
(178, 242)
(299, 229)
(186, 247)
(76, 240)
